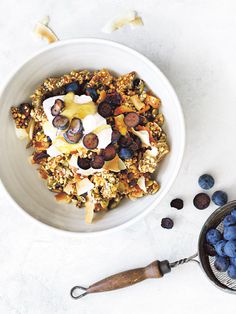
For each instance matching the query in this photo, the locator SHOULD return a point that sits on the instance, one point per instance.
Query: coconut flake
(136, 22)
(141, 184)
(21, 134)
(153, 151)
(129, 18)
(89, 209)
(52, 151)
(84, 186)
(144, 137)
(44, 32)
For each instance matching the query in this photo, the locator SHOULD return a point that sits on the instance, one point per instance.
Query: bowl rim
(171, 90)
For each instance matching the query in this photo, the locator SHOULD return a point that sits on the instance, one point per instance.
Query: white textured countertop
(194, 44)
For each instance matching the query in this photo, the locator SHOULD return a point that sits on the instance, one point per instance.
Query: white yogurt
(90, 123)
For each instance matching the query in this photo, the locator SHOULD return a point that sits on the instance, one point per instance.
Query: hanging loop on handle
(75, 292)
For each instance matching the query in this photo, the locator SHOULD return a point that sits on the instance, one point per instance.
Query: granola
(96, 138)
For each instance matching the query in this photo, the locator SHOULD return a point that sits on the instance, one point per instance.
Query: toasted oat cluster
(96, 138)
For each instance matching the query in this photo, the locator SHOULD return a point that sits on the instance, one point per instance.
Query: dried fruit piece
(60, 122)
(122, 109)
(113, 98)
(201, 201)
(105, 109)
(137, 102)
(37, 157)
(152, 101)
(84, 163)
(97, 162)
(120, 124)
(109, 153)
(57, 108)
(131, 119)
(167, 223)
(177, 203)
(63, 197)
(90, 141)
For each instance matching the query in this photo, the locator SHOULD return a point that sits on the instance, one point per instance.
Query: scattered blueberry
(206, 181)
(221, 263)
(219, 247)
(230, 233)
(232, 271)
(201, 201)
(233, 212)
(125, 153)
(177, 203)
(167, 223)
(213, 236)
(72, 87)
(229, 220)
(209, 249)
(230, 248)
(220, 198)
(233, 261)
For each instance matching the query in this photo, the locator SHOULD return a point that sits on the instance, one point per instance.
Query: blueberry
(220, 198)
(229, 220)
(92, 93)
(209, 249)
(232, 271)
(206, 181)
(167, 223)
(233, 261)
(230, 248)
(125, 153)
(221, 263)
(72, 87)
(230, 233)
(213, 236)
(219, 247)
(233, 212)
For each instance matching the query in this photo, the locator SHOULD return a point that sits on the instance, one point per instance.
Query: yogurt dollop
(90, 123)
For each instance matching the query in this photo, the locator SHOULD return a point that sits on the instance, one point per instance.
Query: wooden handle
(130, 277)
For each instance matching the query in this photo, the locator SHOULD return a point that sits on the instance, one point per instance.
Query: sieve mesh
(221, 279)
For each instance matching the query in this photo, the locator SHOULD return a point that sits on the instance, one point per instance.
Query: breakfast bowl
(20, 179)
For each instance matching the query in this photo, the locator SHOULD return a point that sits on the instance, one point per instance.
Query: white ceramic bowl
(21, 179)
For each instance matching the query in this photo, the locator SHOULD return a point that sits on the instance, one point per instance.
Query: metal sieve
(158, 269)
